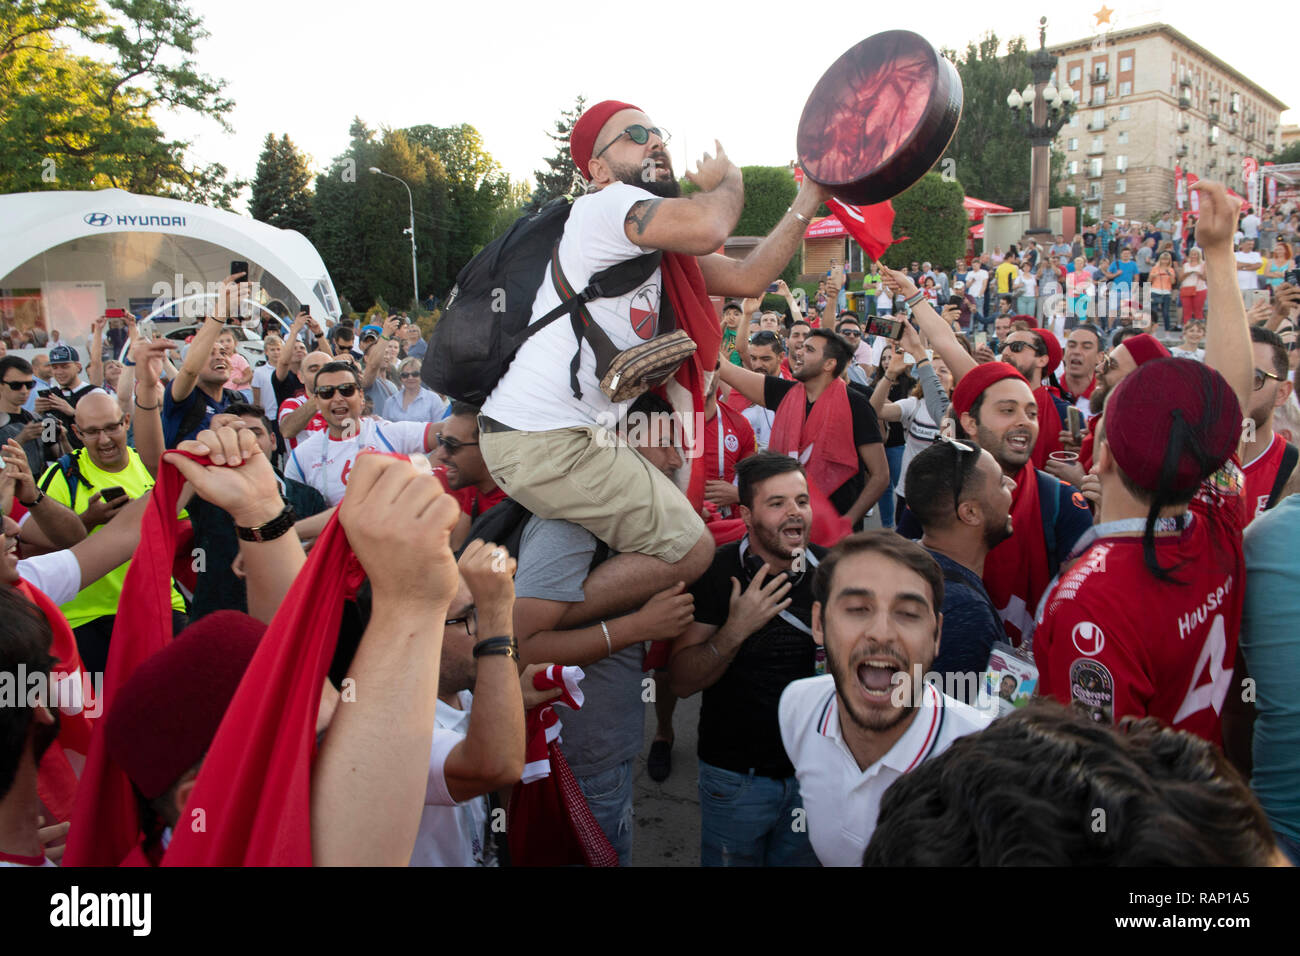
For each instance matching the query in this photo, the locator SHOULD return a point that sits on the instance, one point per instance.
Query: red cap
(1053, 350)
(583, 138)
(1145, 347)
(1172, 419)
(974, 382)
(165, 716)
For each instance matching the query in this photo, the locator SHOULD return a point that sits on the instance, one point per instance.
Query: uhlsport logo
(97, 218)
(1088, 638)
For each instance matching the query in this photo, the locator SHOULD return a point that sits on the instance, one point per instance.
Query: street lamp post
(415, 276)
(1049, 108)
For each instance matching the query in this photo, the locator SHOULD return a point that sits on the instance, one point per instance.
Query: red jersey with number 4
(737, 443)
(1260, 476)
(1124, 644)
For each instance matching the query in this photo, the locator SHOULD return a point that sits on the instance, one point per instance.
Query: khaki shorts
(601, 484)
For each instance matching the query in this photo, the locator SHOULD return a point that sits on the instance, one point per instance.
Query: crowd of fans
(918, 578)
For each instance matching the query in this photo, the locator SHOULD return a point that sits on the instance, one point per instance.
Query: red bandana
(822, 440)
(1015, 572)
(1049, 427)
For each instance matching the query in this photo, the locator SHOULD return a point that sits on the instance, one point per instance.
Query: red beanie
(1053, 350)
(974, 382)
(1145, 347)
(583, 138)
(1141, 416)
(165, 716)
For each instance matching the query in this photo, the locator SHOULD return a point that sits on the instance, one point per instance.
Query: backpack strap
(1049, 507)
(1290, 454)
(70, 467)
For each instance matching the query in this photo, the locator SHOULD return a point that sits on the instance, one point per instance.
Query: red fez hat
(1145, 347)
(1172, 423)
(583, 138)
(974, 382)
(165, 716)
(1053, 349)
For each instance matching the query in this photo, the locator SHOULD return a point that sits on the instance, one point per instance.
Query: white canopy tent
(66, 256)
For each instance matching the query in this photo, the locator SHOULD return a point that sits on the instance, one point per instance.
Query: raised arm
(286, 353)
(149, 356)
(749, 384)
(696, 224)
(376, 355)
(95, 368)
(201, 347)
(1227, 337)
(936, 329)
(52, 525)
(751, 275)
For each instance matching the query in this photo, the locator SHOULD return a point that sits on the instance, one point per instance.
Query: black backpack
(486, 319)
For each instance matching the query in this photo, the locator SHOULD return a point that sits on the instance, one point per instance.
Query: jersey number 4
(1214, 652)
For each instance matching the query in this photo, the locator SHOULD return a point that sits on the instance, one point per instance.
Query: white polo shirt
(842, 801)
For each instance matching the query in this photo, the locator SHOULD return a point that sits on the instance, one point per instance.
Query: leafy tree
(1288, 154)
(769, 191)
(559, 177)
(282, 186)
(931, 215)
(514, 205)
(86, 120)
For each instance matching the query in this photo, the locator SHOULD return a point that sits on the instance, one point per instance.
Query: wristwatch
(40, 496)
(277, 526)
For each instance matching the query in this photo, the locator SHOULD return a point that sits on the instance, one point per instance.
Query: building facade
(1151, 99)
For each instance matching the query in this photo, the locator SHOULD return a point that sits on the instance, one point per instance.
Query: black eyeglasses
(90, 434)
(1262, 376)
(958, 473)
(452, 445)
(327, 391)
(469, 619)
(18, 386)
(410, 375)
(638, 134)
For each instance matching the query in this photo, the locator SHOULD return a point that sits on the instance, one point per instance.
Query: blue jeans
(748, 820)
(1160, 309)
(609, 795)
(895, 457)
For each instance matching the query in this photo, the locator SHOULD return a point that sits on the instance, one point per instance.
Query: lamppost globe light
(1028, 94)
(1013, 100)
(1050, 93)
(376, 169)
(1067, 95)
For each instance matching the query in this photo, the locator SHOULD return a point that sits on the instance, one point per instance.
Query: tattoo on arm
(641, 214)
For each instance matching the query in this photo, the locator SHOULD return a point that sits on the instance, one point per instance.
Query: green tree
(514, 205)
(282, 186)
(1288, 154)
(931, 215)
(769, 191)
(85, 118)
(560, 175)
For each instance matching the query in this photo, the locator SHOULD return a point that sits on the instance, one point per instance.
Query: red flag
(872, 226)
(105, 821)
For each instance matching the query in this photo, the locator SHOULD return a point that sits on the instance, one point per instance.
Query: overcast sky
(701, 70)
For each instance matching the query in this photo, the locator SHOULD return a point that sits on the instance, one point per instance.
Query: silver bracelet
(709, 645)
(803, 219)
(608, 644)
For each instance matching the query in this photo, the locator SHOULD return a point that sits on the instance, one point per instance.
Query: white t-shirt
(919, 432)
(57, 574)
(451, 833)
(760, 419)
(534, 395)
(264, 391)
(1250, 226)
(976, 280)
(842, 800)
(324, 462)
(1248, 280)
(1028, 283)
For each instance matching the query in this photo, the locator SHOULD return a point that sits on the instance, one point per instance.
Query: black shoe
(660, 762)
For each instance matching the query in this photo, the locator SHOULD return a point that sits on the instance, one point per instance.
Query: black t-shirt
(894, 433)
(866, 431)
(287, 387)
(71, 396)
(36, 456)
(739, 729)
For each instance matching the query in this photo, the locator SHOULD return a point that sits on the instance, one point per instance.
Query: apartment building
(1151, 99)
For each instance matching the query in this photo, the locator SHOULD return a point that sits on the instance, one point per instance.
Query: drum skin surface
(879, 118)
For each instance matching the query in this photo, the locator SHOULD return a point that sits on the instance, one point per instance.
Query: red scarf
(1085, 447)
(56, 779)
(683, 284)
(105, 820)
(255, 783)
(822, 440)
(1015, 572)
(1049, 427)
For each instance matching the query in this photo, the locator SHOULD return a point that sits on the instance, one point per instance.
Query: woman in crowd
(1027, 297)
(1191, 286)
(1193, 344)
(414, 403)
(1277, 264)
(1162, 278)
(1079, 289)
(893, 389)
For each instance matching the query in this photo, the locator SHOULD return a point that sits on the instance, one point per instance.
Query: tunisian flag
(872, 226)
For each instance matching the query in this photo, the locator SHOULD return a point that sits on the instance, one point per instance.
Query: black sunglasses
(327, 391)
(958, 472)
(452, 445)
(1021, 346)
(16, 386)
(410, 375)
(638, 134)
(850, 332)
(1262, 376)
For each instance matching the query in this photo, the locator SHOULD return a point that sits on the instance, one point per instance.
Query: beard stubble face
(667, 188)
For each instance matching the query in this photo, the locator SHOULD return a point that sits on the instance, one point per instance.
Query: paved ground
(668, 813)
